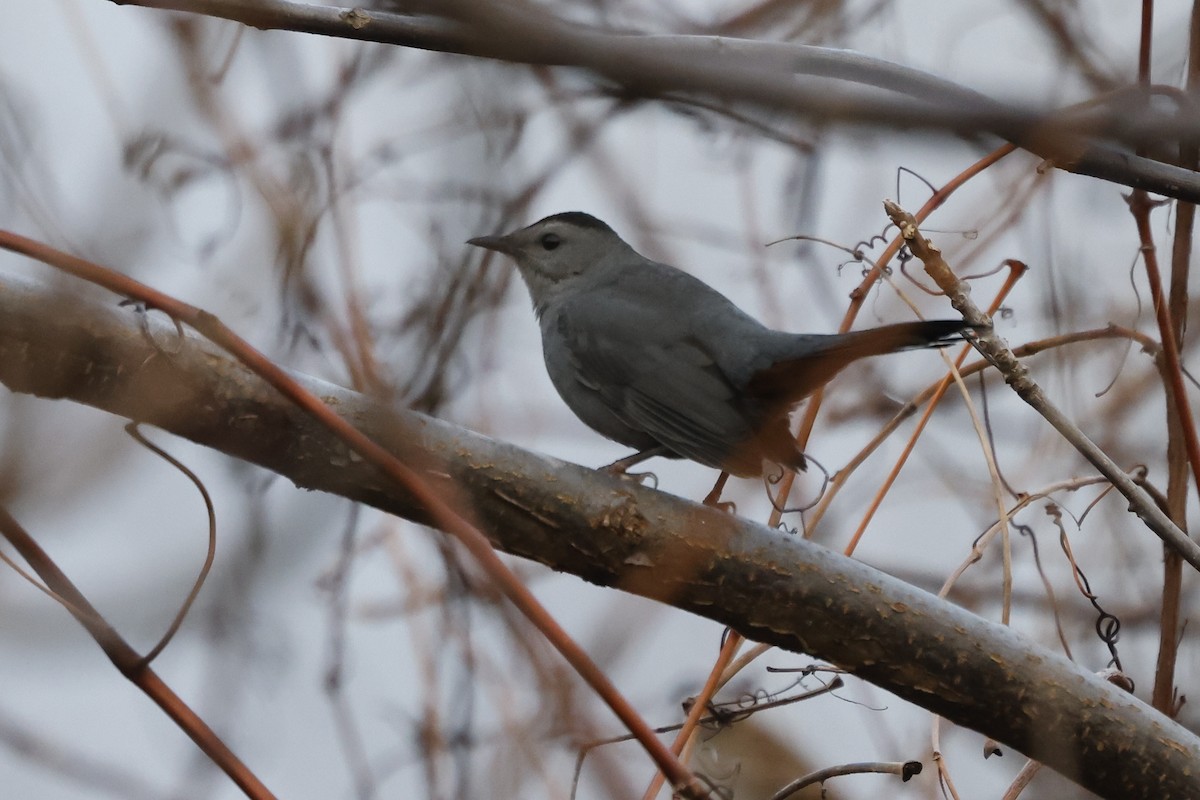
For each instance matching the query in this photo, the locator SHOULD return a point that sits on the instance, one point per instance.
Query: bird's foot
(619, 466)
(642, 478)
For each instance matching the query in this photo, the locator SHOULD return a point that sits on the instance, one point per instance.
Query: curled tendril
(1108, 626)
(142, 310)
(773, 478)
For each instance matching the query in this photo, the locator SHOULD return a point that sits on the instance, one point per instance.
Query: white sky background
(82, 79)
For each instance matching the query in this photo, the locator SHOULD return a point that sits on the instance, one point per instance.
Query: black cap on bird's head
(577, 218)
(509, 242)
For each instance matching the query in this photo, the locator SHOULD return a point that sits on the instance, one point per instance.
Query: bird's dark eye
(550, 241)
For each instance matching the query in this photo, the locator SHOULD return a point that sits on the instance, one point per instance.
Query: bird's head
(553, 253)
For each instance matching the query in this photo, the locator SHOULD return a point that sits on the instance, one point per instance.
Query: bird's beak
(501, 244)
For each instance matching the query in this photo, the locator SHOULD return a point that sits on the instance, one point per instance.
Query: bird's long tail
(788, 381)
(900, 336)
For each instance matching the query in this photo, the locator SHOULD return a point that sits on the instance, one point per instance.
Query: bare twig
(1163, 693)
(859, 295)
(1028, 772)
(1017, 376)
(905, 769)
(209, 554)
(1017, 270)
(927, 394)
(729, 649)
(128, 662)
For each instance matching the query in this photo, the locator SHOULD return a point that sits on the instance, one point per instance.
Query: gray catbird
(653, 358)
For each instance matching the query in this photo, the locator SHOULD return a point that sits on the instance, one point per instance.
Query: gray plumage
(655, 359)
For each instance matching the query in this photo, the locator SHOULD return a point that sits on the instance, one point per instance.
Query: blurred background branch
(763, 74)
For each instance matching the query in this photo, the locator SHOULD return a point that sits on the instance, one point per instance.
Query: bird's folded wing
(668, 386)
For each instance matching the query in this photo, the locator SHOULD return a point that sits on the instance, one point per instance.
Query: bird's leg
(619, 466)
(713, 498)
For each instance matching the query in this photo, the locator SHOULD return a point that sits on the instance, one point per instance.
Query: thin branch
(927, 395)
(1017, 376)
(210, 552)
(905, 769)
(1020, 783)
(128, 662)
(1141, 205)
(1163, 693)
(1016, 271)
(728, 650)
(859, 295)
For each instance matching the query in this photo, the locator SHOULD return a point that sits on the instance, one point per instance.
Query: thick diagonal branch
(769, 586)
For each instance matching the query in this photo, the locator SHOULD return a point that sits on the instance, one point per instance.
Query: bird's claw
(642, 478)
